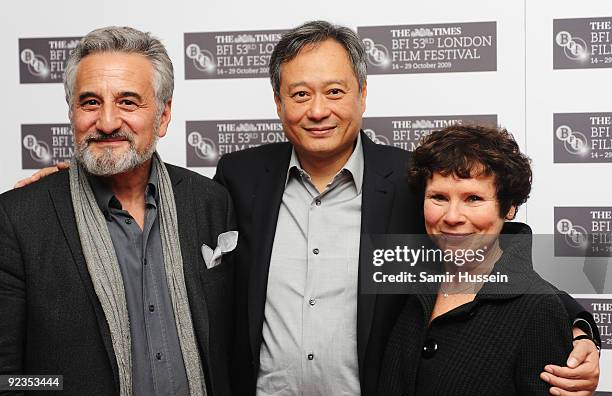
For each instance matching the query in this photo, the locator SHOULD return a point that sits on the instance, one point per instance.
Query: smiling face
(462, 211)
(115, 116)
(320, 104)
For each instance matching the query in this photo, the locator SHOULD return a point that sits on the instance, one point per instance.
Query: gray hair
(292, 42)
(126, 40)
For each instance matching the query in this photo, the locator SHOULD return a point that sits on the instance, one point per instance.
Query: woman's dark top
(497, 344)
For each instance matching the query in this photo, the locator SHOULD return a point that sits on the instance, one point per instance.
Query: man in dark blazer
(320, 98)
(55, 297)
(256, 181)
(52, 320)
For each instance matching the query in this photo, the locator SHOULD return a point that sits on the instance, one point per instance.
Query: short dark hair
(315, 32)
(468, 150)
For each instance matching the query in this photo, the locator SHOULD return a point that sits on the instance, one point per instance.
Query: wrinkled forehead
(321, 57)
(122, 71)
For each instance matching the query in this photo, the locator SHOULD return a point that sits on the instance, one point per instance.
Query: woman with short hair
(476, 337)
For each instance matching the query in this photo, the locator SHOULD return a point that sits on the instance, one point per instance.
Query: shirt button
(144, 261)
(315, 251)
(312, 301)
(318, 202)
(151, 308)
(429, 348)
(128, 221)
(158, 356)
(310, 356)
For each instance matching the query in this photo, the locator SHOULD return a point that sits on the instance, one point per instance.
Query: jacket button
(310, 356)
(429, 348)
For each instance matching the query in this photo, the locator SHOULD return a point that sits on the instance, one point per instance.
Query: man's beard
(109, 162)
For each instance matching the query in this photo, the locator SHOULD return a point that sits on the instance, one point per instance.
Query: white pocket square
(226, 242)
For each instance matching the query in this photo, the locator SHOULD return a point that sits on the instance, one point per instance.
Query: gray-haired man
(101, 276)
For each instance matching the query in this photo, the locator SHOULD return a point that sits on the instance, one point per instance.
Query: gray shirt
(310, 325)
(157, 361)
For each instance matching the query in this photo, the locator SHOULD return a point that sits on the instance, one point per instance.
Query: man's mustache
(99, 136)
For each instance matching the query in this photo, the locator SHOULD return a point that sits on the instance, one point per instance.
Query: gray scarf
(108, 283)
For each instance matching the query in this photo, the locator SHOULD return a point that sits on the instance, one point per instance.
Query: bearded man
(101, 276)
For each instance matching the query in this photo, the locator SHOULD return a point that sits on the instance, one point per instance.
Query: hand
(42, 173)
(581, 376)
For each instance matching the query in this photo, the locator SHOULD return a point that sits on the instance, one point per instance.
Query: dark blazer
(495, 345)
(52, 321)
(255, 179)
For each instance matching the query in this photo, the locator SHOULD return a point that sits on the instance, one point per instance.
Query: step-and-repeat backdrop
(541, 69)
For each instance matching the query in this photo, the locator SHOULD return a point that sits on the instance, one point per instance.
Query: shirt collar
(354, 165)
(106, 198)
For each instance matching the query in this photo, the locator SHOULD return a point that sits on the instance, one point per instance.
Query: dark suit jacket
(51, 319)
(255, 179)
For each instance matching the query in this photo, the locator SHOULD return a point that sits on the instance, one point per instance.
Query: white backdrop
(523, 90)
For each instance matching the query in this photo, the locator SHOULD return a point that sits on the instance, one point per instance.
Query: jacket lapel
(377, 200)
(266, 205)
(188, 232)
(62, 202)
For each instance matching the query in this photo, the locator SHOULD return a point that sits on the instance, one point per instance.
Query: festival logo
(406, 132)
(207, 141)
(582, 137)
(582, 43)
(583, 231)
(44, 145)
(43, 60)
(243, 54)
(601, 309)
(431, 48)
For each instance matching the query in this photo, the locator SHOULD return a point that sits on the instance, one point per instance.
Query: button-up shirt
(157, 361)
(310, 326)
